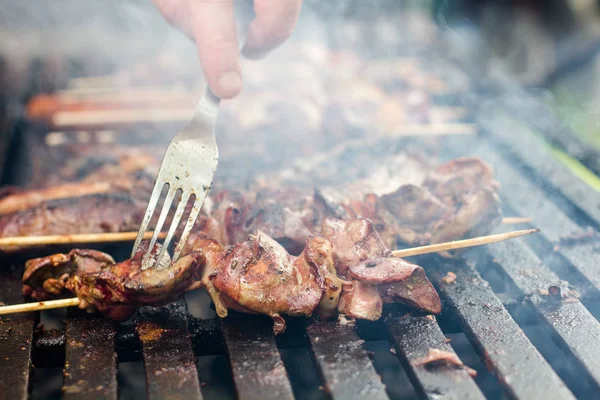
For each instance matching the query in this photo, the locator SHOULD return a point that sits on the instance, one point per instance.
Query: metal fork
(189, 165)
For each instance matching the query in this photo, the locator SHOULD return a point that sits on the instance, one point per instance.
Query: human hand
(211, 24)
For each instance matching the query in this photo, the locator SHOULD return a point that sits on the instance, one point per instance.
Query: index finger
(213, 27)
(274, 23)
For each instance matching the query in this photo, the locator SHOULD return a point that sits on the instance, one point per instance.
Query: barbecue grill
(523, 314)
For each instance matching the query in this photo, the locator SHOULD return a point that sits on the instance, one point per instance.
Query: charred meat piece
(476, 214)
(281, 215)
(436, 358)
(229, 211)
(46, 277)
(410, 213)
(118, 290)
(88, 214)
(457, 200)
(115, 289)
(399, 281)
(459, 176)
(363, 301)
(260, 276)
(360, 255)
(353, 242)
(136, 184)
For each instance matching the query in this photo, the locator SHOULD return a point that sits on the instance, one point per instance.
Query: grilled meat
(354, 241)
(46, 277)
(87, 214)
(115, 289)
(437, 358)
(360, 255)
(259, 276)
(75, 163)
(254, 276)
(362, 301)
(126, 177)
(457, 200)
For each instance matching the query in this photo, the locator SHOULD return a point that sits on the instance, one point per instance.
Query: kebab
(457, 200)
(347, 270)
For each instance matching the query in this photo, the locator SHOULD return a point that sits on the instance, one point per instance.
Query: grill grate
(343, 363)
(492, 288)
(90, 364)
(258, 371)
(413, 337)
(520, 368)
(16, 334)
(168, 356)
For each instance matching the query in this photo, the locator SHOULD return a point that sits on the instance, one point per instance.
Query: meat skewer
(456, 200)
(75, 302)
(254, 276)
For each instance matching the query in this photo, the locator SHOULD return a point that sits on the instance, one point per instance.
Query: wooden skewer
(28, 241)
(516, 220)
(99, 117)
(460, 244)
(39, 305)
(63, 119)
(45, 305)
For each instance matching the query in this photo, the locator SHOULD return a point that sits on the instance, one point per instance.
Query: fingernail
(230, 81)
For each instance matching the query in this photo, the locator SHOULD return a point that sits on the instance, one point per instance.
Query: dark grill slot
(90, 359)
(170, 363)
(16, 336)
(412, 337)
(503, 346)
(207, 338)
(343, 363)
(258, 371)
(49, 348)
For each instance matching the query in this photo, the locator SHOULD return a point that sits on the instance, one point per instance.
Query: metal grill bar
(16, 336)
(345, 367)
(258, 371)
(577, 331)
(412, 337)
(532, 152)
(529, 109)
(520, 195)
(90, 359)
(504, 347)
(170, 363)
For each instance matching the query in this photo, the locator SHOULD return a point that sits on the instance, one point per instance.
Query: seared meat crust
(88, 214)
(254, 276)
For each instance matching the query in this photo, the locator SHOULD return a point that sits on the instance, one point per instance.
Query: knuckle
(220, 41)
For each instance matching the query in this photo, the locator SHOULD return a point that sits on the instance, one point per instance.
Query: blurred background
(550, 46)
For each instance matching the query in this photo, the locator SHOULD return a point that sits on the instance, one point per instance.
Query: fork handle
(212, 98)
(208, 105)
